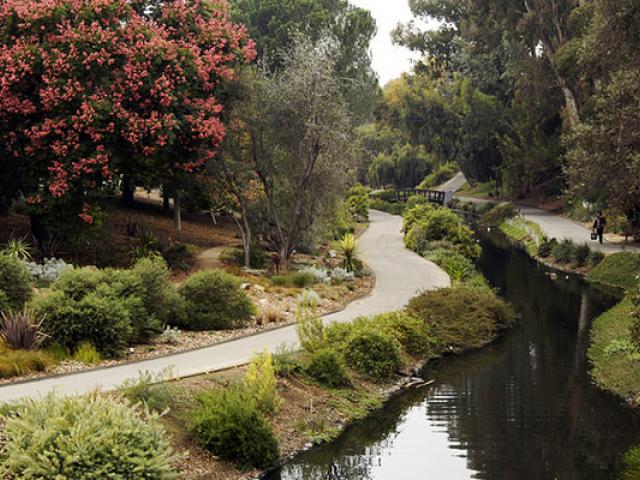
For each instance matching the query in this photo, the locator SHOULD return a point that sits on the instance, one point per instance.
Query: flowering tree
(93, 89)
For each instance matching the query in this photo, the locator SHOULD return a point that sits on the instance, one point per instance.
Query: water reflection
(523, 409)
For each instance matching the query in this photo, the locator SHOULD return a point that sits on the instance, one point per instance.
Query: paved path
(454, 184)
(400, 274)
(554, 226)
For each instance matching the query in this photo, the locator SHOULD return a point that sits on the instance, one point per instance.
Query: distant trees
(92, 90)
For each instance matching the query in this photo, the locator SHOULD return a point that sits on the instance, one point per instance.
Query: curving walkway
(400, 274)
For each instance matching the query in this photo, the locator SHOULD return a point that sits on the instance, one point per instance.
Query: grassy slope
(613, 370)
(524, 231)
(619, 270)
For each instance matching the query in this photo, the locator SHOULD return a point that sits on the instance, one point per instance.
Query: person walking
(598, 226)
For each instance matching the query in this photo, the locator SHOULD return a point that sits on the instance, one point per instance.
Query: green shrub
(214, 301)
(309, 326)
(228, 423)
(326, 367)
(442, 224)
(101, 320)
(442, 174)
(260, 381)
(499, 214)
(563, 252)
(620, 270)
(155, 392)
(458, 267)
(372, 353)
(15, 281)
(409, 331)
(83, 438)
(416, 213)
(545, 250)
(160, 298)
(14, 363)
(580, 254)
(357, 203)
(75, 283)
(297, 280)
(384, 206)
(596, 257)
(462, 317)
(337, 333)
(631, 462)
(86, 353)
(5, 306)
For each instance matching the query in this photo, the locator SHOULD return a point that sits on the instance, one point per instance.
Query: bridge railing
(433, 196)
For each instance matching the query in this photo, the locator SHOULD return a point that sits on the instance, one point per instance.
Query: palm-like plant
(18, 248)
(348, 248)
(22, 330)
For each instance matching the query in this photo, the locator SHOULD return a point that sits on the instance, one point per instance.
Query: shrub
(228, 423)
(18, 248)
(260, 381)
(170, 335)
(87, 353)
(545, 250)
(442, 174)
(309, 326)
(14, 363)
(48, 271)
(386, 206)
(178, 256)
(14, 281)
(596, 257)
(4, 302)
(337, 334)
(458, 267)
(320, 275)
(214, 301)
(373, 353)
(580, 254)
(416, 213)
(620, 270)
(357, 203)
(635, 326)
(159, 296)
(348, 249)
(82, 438)
(409, 331)
(102, 320)
(462, 317)
(77, 282)
(22, 329)
(499, 214)
(341, 275)
(285, 361)
(326, 367)
(155, 392)
(631, 462)
(563, 251)
(298, 279)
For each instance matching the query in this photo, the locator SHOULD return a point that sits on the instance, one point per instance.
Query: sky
(389, 60)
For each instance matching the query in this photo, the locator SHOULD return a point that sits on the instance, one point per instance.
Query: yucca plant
(18, 248)
(347, 247)
(22, 329)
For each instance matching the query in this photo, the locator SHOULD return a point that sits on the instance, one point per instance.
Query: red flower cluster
(92, 88)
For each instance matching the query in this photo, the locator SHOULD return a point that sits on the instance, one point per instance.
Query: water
(523, 408)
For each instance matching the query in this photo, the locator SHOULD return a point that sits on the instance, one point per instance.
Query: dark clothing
(598, 226)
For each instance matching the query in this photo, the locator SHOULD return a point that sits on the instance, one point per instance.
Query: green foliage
(297, 280)
(441, 174)
(15, 363)
(545, 250)
(214, 301)
(82, 438)
(18, 248)
(581, 254)
(310, 328)
(396, 208)
(621, 270)
(402, 166)
(160, 297)
(462, 317)
(438, 224)
(563, 252)
(347, 246)
(357, 203)
(15, 281)
(327, 367)
(410, 332)
(75, 283)
(631, 461)
(499, 214)
(101, 320)
(87, 354)
(372, 353)
(228, 423)
(458, 267)
(155, 392)
(261, 383)
(4, 302)
(527, 233)
(634, 331)
(596, 257)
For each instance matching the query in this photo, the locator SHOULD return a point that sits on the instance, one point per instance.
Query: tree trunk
(40, 235)
(165, 200)
(128, 191)
(177, 213)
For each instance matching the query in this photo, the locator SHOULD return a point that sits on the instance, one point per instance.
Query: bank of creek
(523, 408)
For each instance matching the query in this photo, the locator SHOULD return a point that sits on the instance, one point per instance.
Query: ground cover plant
(621, 270)
(83, 438)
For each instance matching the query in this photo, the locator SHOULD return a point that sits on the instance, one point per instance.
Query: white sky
(389, 60)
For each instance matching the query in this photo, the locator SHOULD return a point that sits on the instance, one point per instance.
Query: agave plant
(18, 248)
(22, 329)
(347, 246)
